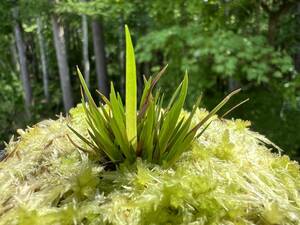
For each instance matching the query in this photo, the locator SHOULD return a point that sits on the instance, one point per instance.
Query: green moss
(229, 177)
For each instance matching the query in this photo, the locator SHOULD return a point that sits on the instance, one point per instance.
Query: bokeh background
(223, 44)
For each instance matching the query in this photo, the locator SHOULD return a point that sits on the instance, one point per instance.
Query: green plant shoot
(131, 91)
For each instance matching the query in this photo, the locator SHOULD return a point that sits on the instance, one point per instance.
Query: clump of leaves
(158, 135)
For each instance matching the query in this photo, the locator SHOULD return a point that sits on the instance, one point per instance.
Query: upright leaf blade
(131, 90)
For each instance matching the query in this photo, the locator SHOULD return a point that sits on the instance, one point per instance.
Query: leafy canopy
(122, 134)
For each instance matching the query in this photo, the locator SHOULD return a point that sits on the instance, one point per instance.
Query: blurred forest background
(224, 44)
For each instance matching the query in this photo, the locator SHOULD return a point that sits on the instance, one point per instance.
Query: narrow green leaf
(105, 144)
(131, 90)
(172, 116)
(216, 109)
(147, 135)
(180, 147)
(117, 112)
(173, 98)
(204, 129)
(149, 86)
(89, 143)
(103, 97)
(234, 107)
(85, 88)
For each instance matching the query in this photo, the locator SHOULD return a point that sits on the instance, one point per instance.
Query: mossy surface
(229, 177)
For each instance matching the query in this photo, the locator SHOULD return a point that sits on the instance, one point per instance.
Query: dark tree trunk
(272, 28)
(43, 59)
(297, 57)
(23, 63)
(61, 55)
(14, 56)
(99, 51)
(85, 50)
(122, 56)
(274, 18)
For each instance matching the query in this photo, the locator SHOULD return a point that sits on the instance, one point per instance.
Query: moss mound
(229, 177)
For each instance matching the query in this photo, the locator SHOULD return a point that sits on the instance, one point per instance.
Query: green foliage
(105, 8)
(11, 102)
(229, 54)
(229, 51)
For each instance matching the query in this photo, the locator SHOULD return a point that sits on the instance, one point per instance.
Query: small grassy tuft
(155, 134)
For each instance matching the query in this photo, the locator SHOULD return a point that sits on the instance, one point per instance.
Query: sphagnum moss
(229, 177)
(55, 172)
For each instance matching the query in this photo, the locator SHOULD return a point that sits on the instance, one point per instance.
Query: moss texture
(229, 177)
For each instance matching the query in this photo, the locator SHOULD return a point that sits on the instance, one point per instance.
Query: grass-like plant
(153, 133)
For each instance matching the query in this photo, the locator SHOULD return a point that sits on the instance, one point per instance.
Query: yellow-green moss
(229, 177)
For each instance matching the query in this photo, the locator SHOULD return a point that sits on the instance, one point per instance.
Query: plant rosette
(153, 133)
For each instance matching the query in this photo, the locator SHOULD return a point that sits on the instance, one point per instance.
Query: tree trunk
(274, 18)
(99, 51)
(43, 59)
(85, 50)
(23, 63)
(14, 56)
(297, 57)
(61, 55)
(272, 28)
(122, 56)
